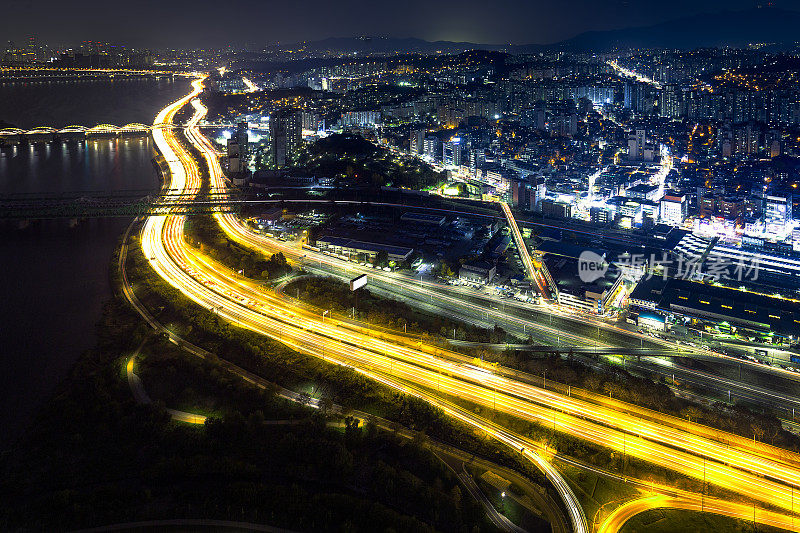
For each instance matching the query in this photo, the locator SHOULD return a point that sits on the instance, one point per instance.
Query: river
(55, 273)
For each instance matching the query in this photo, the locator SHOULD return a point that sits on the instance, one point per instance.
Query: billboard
(358, 282)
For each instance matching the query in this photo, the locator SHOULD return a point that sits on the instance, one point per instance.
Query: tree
(613, 389)
(381, 258)
(691, 413)
(455, 495)
(758, 431)
(352, 429)
(325, 404)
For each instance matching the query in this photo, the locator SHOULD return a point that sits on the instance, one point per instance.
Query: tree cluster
(330, 293)
(94, 457)
(204, 233)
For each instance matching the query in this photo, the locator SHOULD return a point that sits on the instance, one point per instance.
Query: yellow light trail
(251, 87)
(162, 242)
(686, 449)
(232, 226)
(617, 519)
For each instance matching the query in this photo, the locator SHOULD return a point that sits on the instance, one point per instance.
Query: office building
(453, 152)
(478, 271)
(674, 208)
(553, 209)
(777, 214)
(642, 191)
(600, 216)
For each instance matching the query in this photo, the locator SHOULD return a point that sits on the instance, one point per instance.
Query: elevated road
(756, 470)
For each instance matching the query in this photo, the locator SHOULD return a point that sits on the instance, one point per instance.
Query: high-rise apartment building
(285, 137)
(238, 150)
(432, 148)
(670, 101)
(416, 144)
(638, 150)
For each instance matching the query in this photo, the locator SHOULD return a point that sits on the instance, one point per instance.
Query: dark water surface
(55, 273)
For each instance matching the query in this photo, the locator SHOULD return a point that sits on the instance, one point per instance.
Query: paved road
(555, 514)
(671, 443)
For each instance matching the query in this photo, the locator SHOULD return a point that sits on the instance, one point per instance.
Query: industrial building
(352, 247)
(681, 301)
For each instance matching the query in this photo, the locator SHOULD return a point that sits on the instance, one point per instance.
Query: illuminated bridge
(34, 72)
(125, 204)
(48, 132)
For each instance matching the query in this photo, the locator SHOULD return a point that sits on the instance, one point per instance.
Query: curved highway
(759, 471)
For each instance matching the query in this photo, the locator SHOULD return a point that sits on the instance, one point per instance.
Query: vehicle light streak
(760, 472)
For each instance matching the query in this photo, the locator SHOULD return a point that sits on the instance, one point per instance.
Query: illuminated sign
(358, 282)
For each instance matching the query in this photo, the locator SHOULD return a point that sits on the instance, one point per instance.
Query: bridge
(53, 72)
(49, 133)
(126, 204)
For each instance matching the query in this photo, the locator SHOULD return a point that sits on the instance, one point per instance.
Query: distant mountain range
(390, 45)
(729, 28)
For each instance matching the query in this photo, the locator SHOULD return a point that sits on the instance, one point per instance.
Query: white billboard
(358, 282)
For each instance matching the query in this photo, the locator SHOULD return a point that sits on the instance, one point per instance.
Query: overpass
(579, 350)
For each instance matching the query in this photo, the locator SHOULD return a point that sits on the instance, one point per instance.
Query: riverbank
(56, 270)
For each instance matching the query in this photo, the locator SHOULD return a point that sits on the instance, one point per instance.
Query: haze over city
(150, 24)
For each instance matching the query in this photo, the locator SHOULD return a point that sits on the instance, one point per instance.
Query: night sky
(199, 23)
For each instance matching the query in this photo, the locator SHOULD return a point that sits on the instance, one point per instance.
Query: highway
(645, 360)
(623, 513)
(163, 244)
(756, 470)
(557, 331)
(547, 324)
(543, 501)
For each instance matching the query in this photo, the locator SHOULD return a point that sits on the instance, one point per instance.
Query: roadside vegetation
(332, 384)
(349, 389)
(94, 457)
(670, 520)
(331, 293)
(203, 233)
(564, 369)
(560, 368)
